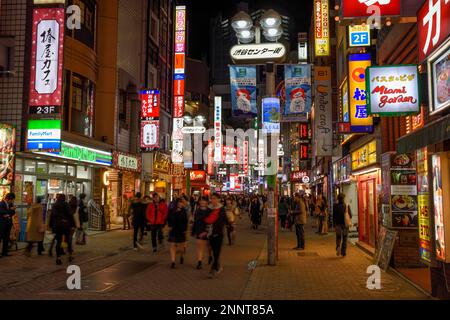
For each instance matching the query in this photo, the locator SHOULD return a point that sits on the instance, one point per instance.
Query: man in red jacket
(157, 212)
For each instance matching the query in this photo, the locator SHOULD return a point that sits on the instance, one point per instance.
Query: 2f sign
(359, 39)
(73, 17)
(74, 280)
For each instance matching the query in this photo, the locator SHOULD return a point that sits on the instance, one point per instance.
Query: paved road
(111, 270)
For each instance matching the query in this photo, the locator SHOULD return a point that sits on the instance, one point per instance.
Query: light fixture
(245, 36)
(241, 21)
(188, 119)
(273, 34)
(270, 19)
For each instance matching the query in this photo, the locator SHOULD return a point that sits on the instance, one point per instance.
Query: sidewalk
(317, 273)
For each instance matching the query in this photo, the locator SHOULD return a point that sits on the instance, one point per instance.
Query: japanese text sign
(433, 22)
(361, 121)
(150, 104)
(47, 53)
(366, 8)
(393, 90)
(322, 28)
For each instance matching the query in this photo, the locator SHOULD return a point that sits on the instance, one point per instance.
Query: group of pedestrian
(64, 220)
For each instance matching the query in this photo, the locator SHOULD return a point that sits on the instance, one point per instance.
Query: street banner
(298, 89)
(271, 115)
(243, 91)
(323, 119)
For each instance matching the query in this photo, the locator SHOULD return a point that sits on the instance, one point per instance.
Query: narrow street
(111, 270)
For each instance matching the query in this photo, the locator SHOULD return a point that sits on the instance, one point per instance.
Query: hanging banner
(298, 89)
(210, 163)
(150, 134)
(243, 91)
(271, 115)
(47, 52)
(323, 118)
(322, 28)
(150, 104)
(245, 160)
(393, 90)
(218, 129)
(7, 157)
(360, 120)
(179, 80)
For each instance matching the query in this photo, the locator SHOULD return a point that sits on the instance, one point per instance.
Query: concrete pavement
(112, 270)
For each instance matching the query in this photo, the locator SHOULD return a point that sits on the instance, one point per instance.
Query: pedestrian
(300, 218)
(178, 223)
(232, 212)
(62, 223)
(255, 212)
(321, 212)
(340, 210)
(283, 211)
(138, 219)
(35, 227)
(73, 204)
(217, 220)
(83, 215)
(200, 232)
(125, 212)
(156, 217)
(7, 211)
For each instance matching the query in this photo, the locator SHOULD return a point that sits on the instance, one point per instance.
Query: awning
(433, 133)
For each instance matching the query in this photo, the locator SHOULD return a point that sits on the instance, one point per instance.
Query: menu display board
(423, 199)
(383, 253)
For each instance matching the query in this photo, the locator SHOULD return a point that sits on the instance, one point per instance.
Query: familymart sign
(75, 152)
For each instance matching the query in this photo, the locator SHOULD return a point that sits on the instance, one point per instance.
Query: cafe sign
(364, 156)
(126, 162)
(393, 90)
(197, 176)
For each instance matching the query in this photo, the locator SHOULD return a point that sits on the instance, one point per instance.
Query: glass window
(71, 171)
(83, 172)
(57, 169)
(86, 34)
(42, 168)
(19, 164)
(82, 109)
(30, 166)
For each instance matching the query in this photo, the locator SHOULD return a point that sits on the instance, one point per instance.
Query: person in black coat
(139, 221)
(339, 210)
(178, 224)
(199, 230)
(216, 220)
(62, 222)
(255, 212)
(7, 211)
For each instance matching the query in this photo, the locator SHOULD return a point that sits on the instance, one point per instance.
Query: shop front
(345, 183)
(71, 171)
(366, 171)
(199, 183)
(300, 182)
(122, 179)
(161, 180)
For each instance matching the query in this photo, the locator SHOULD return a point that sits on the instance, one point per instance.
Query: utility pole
(272, 197)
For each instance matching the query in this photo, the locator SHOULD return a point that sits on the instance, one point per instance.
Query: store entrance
(367, 211)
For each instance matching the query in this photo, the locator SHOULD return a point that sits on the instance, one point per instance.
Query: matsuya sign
(258, 53)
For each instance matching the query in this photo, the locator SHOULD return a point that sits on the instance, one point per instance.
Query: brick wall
(13, 24)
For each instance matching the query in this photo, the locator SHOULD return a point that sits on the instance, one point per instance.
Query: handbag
(348, 220)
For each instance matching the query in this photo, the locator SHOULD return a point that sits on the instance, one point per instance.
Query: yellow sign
(360, 120)
(322, 28)
(365, 156)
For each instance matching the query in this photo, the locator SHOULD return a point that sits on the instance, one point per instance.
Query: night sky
(200, 13)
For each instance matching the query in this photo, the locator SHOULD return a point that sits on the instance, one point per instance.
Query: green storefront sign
(83, 154)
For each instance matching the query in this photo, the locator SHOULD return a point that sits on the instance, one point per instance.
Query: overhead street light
(242, 21)
(270, 19)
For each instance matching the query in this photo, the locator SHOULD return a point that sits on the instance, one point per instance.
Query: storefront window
(71, 171)
(19, 165)
(83, 172)
(30, 166)
(57, 169)
(42, 168)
